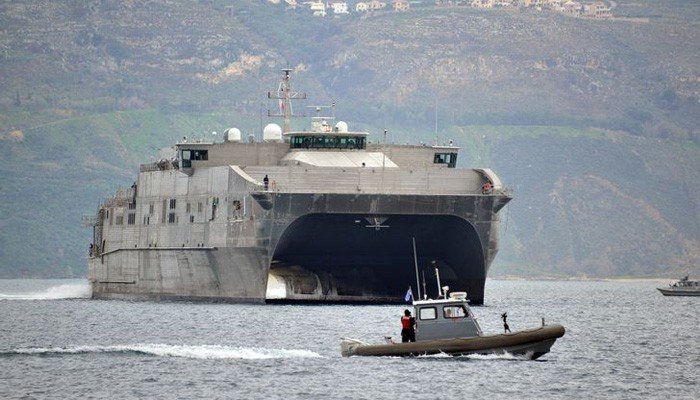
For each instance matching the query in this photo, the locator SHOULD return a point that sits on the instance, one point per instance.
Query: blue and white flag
(409, 295)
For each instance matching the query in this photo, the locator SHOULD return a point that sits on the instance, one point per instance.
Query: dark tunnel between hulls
(372, 256)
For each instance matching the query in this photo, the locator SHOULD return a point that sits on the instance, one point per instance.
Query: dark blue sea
(624, 340)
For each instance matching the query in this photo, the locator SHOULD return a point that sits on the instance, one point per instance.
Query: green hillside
(593, 123)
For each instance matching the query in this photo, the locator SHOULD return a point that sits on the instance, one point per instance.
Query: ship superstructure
(320, 215)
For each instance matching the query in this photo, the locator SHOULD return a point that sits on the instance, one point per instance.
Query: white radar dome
(272, 133)
(341, 127)
(232, 135)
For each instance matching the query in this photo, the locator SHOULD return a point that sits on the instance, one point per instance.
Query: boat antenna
(415, 262)
(425, 291)
(437, 275)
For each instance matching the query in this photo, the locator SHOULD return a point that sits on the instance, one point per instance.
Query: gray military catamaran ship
(320, 215)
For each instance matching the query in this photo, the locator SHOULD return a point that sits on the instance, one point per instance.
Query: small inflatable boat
(448, 326)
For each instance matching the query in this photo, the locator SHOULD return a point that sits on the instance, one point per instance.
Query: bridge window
(427, 313)
(446, 158)
(130, 219)
(198, 155)
(327, 142)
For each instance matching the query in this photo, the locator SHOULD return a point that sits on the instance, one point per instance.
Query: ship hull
(319, 248)
(679, 292)
(217, 234)
(189, 274)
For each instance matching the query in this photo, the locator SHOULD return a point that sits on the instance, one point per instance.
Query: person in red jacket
(408, 327)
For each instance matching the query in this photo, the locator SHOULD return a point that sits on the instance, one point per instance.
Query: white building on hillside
(572, 8)
(375, 5)
(400, 5)
(482, 3)
(338, 6)
(318, 8)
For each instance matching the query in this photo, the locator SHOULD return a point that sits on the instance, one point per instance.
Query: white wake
(493, 356)
(65, 291)
(166, 350)
(499, 356)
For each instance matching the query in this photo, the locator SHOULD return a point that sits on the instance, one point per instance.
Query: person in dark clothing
(266, 182)
(506, 328)
(408, 327)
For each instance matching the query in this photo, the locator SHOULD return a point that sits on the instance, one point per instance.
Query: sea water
(624, 340)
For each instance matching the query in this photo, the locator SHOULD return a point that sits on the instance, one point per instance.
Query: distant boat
(683, 287)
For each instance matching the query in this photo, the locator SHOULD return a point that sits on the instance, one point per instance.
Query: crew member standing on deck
(506, 328)
(266, 182)
(408, 327)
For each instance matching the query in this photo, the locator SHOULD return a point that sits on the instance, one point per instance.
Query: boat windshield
(454, 312)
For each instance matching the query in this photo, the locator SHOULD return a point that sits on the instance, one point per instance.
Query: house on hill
(503, 3)
(597, 9)
(318, 8)
(338, 6)
(401, 5)
(482, 3)
(572, 8)
(361, 7)
(375, 5)
(557, 5)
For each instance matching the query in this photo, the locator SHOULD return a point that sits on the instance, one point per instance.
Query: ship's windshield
(327, 142)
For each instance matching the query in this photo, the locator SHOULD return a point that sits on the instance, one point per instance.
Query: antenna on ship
(437, 139)
(319, 123)
(415, 262)
(285, 95)
(437, 277)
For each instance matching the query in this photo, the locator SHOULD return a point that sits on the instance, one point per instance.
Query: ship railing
(388, 189)
(160, 165)
(89, 220)
(120, 199)
(506, 191)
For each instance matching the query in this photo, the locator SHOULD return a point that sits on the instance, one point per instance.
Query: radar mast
(285, 95)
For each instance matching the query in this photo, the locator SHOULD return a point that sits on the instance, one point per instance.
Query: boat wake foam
(499, 356)
(207, 352)
(66, 291)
